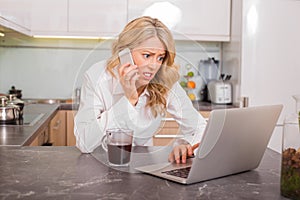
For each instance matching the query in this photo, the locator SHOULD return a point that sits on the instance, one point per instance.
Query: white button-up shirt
(103, 105)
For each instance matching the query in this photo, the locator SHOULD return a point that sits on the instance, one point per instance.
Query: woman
(137, 96)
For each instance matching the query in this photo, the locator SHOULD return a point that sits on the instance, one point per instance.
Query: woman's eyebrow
(153, 52)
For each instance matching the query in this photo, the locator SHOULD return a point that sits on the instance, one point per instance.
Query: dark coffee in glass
(119, 154)
(118, 143)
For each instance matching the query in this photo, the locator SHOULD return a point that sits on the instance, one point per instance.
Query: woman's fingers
(135, 77)
(125, 69)
(122, 67)
(131, 75)
(195, 146)
(180, 153)
(176, 154)
(128, 75)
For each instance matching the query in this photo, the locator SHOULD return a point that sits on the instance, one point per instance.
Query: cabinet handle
(57, 124)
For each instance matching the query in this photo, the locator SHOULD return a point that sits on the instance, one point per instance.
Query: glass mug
(118, 143)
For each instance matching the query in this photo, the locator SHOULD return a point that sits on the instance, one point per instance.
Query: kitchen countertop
(66, 104)
(23, 135)
(208, 106)
(20, 135)
(65, 173)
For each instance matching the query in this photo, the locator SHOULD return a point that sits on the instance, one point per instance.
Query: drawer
(163, 141)
(169, 124)
(205, 114)
(169, 130)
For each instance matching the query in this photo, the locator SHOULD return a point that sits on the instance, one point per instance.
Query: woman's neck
(141, 89)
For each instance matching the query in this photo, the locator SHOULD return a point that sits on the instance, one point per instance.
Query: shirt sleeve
(92, 118)
(191, 122)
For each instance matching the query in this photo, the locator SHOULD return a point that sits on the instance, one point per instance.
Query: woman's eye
(161, 58)
(146, 55)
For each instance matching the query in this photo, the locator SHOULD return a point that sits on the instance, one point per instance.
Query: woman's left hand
(180, 153)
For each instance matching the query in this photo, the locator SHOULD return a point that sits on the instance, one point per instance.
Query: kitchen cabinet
(205, 114)
(58, 136)
(62, 128)
(97, 17)
(167, 133)
(54, 132)
(205, 20)
(169, 130)
(49, 16)
(93, 18)
(15, 15)
(34, 16)
(71, 140)
(42, 137)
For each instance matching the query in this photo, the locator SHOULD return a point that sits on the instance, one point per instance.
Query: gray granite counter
(20, 135)
(68, 106)
(208, 106)
(65, 173)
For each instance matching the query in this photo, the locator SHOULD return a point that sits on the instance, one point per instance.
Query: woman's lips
(147, 75)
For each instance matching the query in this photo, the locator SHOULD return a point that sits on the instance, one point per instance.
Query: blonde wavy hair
(135, 33)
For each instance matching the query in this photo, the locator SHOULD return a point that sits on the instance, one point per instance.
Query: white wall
(54, 68)
(265, 51)
(271, 67)
(47, 68)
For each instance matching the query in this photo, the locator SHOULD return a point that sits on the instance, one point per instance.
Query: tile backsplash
(54, 68)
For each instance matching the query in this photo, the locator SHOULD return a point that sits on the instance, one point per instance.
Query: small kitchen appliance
(220, 92)
(209, 69)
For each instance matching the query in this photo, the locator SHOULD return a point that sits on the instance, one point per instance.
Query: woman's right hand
(128, 76)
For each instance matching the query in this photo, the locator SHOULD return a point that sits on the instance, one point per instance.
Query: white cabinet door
(49, 16)
(97, 17)
(15, 14)
(207, 20)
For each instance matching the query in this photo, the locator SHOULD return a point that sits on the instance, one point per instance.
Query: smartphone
(125, 57)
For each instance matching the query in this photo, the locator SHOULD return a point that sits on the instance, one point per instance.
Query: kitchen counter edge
(23, 135)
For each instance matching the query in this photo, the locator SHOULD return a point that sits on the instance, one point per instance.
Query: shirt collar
(145, 92)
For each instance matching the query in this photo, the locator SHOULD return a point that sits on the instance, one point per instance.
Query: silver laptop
(234, 141)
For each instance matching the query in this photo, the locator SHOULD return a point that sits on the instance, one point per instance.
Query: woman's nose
(154, 63)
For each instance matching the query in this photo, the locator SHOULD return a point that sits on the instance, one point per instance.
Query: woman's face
(149, 57)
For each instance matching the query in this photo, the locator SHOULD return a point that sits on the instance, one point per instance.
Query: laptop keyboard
(182, 172)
